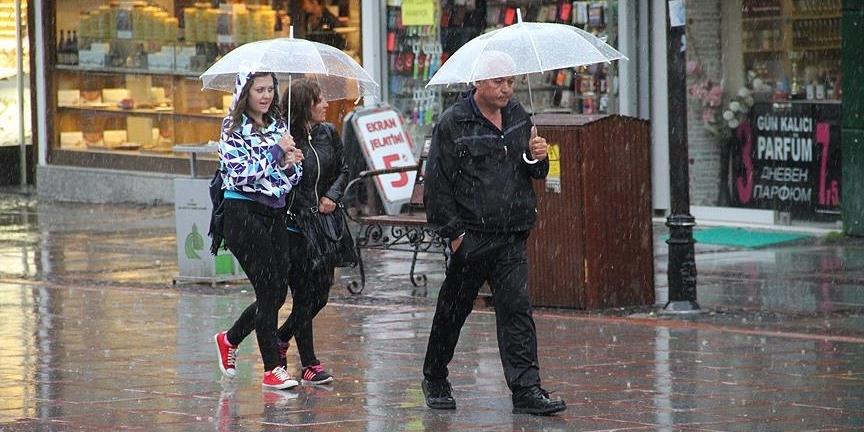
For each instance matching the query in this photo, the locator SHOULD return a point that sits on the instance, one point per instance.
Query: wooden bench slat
(403, 219)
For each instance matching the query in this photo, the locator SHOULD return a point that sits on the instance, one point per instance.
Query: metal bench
(407, 232)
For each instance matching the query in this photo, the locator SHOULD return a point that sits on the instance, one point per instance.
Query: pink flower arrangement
(718, 121)
(715, 96)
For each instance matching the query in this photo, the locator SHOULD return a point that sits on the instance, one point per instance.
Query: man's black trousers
(501, 260)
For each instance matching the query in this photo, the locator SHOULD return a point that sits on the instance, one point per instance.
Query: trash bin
(192, 208)
(593, 246)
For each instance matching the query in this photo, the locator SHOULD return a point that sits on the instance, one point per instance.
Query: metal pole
(682, 262)
(20, 83)
(288, 114)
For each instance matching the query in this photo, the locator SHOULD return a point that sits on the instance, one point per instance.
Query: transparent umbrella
(523, 48)
(338, 75)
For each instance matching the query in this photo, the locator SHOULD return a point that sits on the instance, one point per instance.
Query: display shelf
(133, 71)
(762, 19)
(816, 47)
(206, 154)
(148, 40)
(138, 111)
(805, 17)
(764, 51)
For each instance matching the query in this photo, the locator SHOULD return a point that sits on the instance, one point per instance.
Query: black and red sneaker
(316, 375)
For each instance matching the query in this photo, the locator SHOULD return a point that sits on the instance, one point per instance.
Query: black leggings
(310, 289)
(258, 238)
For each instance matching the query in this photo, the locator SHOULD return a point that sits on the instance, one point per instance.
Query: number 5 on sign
(388, 163)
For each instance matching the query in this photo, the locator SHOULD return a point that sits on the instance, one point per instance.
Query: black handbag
(217, 215)
(328, 238)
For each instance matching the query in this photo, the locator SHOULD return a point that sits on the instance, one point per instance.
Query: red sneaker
(279, 379)
(227, 355)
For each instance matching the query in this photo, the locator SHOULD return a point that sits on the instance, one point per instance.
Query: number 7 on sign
(827, 195)
(388, 163)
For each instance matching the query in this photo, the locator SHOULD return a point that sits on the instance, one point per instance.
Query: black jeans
(500, 259)
(258, 238)
(310, 288)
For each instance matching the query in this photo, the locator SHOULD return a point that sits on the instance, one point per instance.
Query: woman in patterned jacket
(260, 165)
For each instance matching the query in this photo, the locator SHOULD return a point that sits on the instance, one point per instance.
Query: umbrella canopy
(523, 48)
(338, 75)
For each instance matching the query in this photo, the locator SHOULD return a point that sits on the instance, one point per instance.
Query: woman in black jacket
(325, 176)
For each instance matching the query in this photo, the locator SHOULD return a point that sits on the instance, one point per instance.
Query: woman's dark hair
(305, 93)
(243, 99)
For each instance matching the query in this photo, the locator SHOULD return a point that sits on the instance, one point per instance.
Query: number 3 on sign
(388, 163)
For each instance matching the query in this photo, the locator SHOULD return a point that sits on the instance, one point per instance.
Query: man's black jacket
(324, 150)
(475, 176)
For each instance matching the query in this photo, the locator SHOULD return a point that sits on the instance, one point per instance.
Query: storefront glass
(10, 121)
(126, 73)
(783, 123)
(416, 50)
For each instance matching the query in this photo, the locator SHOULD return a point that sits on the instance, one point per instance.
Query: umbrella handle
(288, 114)
(530, 96)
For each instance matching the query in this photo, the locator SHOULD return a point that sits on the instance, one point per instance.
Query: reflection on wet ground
(101, 358)
(95, 338)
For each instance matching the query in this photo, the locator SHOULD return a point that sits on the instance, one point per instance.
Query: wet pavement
(96, 337)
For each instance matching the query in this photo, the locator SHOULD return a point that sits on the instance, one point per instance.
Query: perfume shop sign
(787, 158)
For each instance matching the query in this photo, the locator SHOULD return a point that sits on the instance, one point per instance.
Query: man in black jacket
(478, 193)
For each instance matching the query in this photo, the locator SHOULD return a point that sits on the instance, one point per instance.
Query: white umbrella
(523, 48)
(338, 75)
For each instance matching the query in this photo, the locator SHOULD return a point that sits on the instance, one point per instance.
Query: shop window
(414, 52)
(791, 48)
(10, 121)
(785, 143)
(126, 72)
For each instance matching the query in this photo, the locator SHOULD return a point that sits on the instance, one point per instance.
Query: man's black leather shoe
(439, 394)
(535, 400)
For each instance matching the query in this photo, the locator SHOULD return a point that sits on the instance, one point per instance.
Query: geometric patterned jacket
(249, 159)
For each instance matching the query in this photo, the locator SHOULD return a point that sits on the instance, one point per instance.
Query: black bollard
(682, 261)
